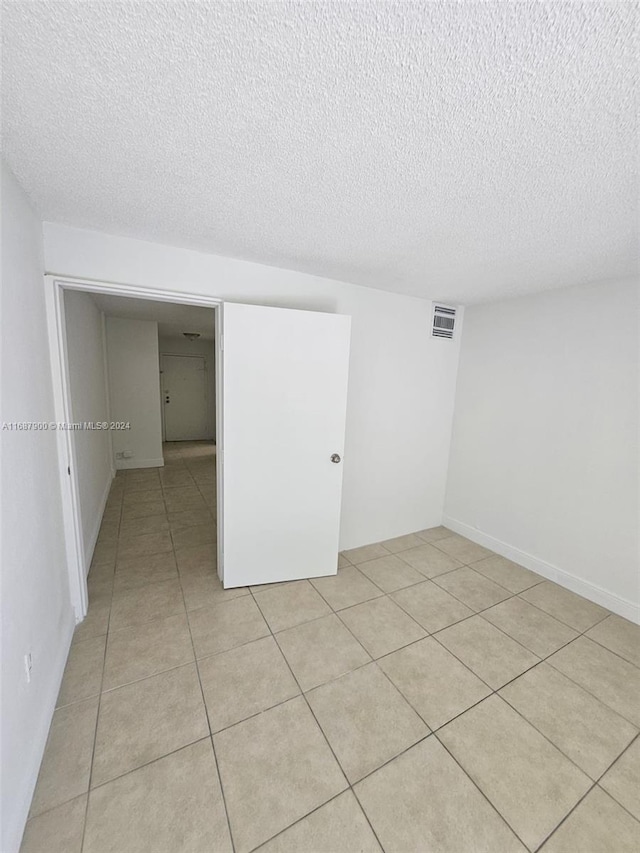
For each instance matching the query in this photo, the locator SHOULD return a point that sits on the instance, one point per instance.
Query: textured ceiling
(458, 150)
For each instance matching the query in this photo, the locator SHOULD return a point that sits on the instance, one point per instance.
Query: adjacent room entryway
(184, 397)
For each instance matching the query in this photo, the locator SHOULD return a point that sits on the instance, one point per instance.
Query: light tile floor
(432, 697)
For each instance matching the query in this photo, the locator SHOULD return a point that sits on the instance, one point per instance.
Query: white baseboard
(88, 551)
(33, 761)
(122, 464)
(622, 606)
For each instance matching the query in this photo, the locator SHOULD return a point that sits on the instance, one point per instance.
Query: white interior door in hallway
(284, 376)
(184, 397)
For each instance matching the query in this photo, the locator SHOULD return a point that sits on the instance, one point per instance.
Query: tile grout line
(104, 660)
(596, 784)
(206, 710)
(302, 693)
(373, 660)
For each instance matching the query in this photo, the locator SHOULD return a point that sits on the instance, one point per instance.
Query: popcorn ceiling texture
(462, 151)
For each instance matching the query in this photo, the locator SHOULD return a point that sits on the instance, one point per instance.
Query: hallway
(402, 705)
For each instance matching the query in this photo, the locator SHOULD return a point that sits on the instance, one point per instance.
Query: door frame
(208, 376)
(54, 287)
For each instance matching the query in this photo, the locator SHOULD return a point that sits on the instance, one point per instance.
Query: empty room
(320, 425)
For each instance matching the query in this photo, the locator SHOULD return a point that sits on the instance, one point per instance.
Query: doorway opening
(125, 436)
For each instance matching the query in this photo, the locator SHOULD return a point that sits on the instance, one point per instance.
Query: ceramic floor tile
(431, 606)
(463, 549)
(146, 720)
(511, 576)
(531, 627)
(619, 636)
(245, 681)
(432, 534)
(65, 768)
(347, 588)
(94, 624)
(197, 559)
(381, 626)
(143, 509)
(436, 684)
(139, 571)
(226, 625)
(494, 657)
(366, 720)
(183, 520)
(147, 543)
(402, 543)
(531, 784)
(429, 561)
(83, 673)
(337, 827)
(204, 590)
(139, 497)
(389, 573)
(598, 825)
(199, 534)
(416, 803)
(610, 678)
(289, 604)
(140, 651)
(57, 831)
(132, 527)
(275, 768)
(174, 804)
(366, 552)
(342, 561)
(588, 732)
(564, 605)
(143, 604)
(622, 781)
(321, 650)
(100, 588)
(472, 588)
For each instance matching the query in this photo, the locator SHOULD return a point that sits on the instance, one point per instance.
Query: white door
(284, 377)
(184, 397)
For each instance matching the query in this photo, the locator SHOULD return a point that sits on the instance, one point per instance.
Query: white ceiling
(463, 151)
(172, 319)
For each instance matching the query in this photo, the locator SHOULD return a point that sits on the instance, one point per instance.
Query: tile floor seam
(557, 618)
(206, 710)
(477, 786)
(298, 820)
(606, 648)
(95, 730)
(308, 704)
(370, 601)
(182, 578)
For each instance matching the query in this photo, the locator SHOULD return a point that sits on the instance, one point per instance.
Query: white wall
(88, 391)
(181, 346)
(544, 457)
(36, 611)
(401, 382)
(134, 391)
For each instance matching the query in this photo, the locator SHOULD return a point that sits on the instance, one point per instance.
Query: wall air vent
(444, 320)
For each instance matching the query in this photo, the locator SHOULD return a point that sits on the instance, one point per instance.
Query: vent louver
(444, 321)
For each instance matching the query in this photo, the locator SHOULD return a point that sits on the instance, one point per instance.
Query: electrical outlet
(128, 454)
(28, 665)
(119, 455)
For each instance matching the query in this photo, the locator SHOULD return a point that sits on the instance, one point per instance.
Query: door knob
(335, 457)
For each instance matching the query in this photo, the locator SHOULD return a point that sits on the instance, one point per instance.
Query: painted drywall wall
(544, 456)
(86, 351)
(37, 617)
(134, 391)
(401, 381)
(172, 345)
